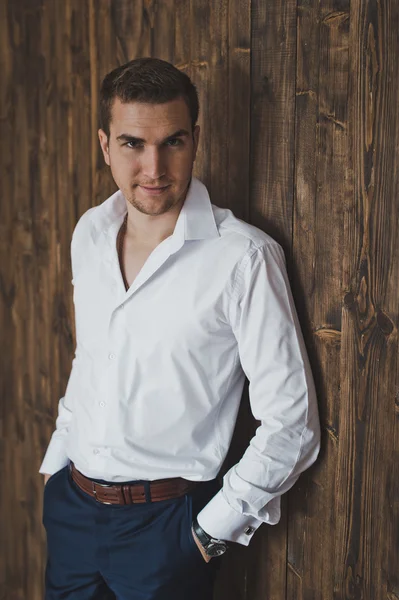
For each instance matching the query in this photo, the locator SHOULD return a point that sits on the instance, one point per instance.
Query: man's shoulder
(238, 232)
(96, 218)
(85, 219)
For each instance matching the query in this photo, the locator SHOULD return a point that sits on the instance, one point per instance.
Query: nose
(152, 165)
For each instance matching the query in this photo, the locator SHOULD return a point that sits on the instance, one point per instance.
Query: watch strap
(211, 546)
(203, 537)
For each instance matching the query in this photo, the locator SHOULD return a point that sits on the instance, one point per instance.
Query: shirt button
(102, 404)
(111, 356)
(96, 451)
(249, 530)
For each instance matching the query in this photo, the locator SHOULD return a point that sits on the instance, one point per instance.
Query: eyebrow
(130, 138)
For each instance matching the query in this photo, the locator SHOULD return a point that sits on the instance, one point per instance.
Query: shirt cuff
(219, 520)
(55, 458)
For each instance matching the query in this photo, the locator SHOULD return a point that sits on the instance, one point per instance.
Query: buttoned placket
(154, 261)
(117, 322)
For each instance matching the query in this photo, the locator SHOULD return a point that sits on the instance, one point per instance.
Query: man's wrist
(200, 546)
(211, 546)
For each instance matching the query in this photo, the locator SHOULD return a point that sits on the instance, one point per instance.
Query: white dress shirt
(159, 369)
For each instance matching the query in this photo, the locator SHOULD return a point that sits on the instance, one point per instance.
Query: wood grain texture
(273, 50)
(299, 136)
(322, 177)
(367, 501)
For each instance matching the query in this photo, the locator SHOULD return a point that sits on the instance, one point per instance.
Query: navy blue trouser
(136, 552)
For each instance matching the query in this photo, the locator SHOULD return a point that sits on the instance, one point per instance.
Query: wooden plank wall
(300, 136)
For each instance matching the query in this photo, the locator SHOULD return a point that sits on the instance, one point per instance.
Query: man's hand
(205, 556)
(46, 478)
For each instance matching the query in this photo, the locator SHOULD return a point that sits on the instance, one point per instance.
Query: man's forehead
(146, 116)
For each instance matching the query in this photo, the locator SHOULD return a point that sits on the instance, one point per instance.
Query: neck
(141, 235)
(148, 230)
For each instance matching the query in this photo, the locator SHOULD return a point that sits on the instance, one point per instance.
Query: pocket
(53, 476)
(196, 501)
(190, 516)
(47, 495)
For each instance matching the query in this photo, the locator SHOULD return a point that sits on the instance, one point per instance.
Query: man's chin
(152, 206)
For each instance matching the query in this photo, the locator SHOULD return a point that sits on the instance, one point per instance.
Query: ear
(196, 133)
(102, 136)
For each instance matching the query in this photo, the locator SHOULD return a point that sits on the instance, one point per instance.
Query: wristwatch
(211, 546)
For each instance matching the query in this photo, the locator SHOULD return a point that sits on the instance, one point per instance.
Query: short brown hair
(145, 80)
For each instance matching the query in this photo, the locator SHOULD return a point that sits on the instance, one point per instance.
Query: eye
(132, 144)
(174, 140)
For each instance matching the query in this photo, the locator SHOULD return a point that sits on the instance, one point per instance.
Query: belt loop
(70, 469)
(126, 494)
(147, 491)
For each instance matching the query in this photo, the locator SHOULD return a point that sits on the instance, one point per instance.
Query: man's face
(162, 156)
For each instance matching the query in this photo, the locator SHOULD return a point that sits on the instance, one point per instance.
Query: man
(176, 301)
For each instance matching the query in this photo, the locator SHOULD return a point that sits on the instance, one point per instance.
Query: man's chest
(183, 302)
(132, 256)
(131, 262)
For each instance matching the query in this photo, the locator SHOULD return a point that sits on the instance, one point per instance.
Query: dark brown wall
(300, 136)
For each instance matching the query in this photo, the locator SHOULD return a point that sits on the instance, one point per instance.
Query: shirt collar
(196, 220)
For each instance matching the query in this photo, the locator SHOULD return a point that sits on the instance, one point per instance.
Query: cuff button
(249, 530)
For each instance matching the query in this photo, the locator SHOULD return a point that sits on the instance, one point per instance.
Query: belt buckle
(105, 485)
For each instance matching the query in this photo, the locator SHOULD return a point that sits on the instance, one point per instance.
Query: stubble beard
(161, 207)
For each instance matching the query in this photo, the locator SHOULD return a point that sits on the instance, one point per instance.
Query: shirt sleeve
(55, 457)
(282, 397)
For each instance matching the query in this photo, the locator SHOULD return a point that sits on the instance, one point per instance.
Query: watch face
(216, 549)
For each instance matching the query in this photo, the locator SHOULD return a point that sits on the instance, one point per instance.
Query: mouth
(154, 191)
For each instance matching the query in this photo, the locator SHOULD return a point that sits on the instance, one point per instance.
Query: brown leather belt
(132, 493)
